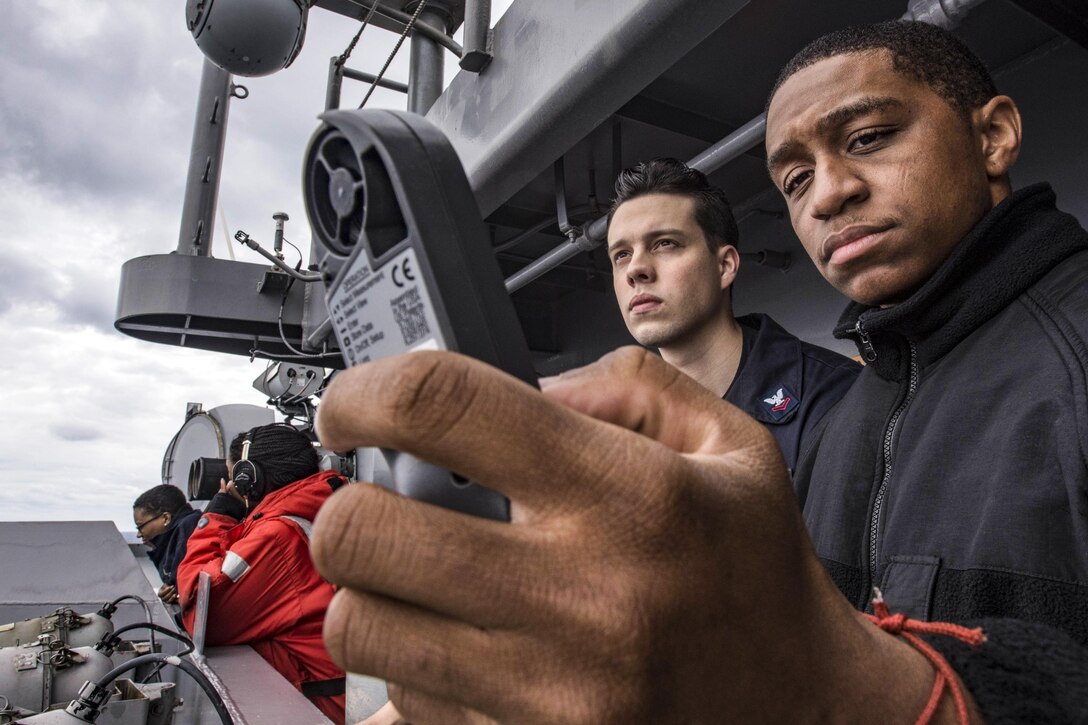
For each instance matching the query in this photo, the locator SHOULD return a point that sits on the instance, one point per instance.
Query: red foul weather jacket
(265, 590)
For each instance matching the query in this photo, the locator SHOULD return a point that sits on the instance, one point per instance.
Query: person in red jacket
(253, 540)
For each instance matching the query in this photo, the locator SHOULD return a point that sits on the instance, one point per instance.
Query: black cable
(351, 46)
(279, 321)
(107, 611)
(158, 628)
(185, 665)
(296, 249)
(150, 623)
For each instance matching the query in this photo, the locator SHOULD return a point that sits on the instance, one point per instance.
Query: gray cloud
(83, 114)
(24, 281)
(76, 432)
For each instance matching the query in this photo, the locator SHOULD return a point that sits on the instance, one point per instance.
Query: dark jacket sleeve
(1024, 672)
(178, 544)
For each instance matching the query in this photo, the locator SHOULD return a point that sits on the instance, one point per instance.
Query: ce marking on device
(402, 273)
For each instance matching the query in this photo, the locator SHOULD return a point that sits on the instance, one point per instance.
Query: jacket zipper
(889, 434)
(870, 351)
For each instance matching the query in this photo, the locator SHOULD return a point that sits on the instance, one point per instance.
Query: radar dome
(248, 37)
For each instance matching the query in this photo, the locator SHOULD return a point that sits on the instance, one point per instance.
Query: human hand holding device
(655, 569)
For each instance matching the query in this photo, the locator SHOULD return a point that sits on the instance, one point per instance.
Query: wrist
(893, 681)
(226, 505)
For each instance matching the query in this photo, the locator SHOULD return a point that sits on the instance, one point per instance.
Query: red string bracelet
(901, 626)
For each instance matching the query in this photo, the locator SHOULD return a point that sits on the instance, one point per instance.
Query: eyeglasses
(140, 527)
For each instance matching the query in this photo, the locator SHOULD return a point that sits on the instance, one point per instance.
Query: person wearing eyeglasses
(164, 520)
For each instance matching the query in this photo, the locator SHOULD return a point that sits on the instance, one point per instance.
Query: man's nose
(835, 186)
(640, 268)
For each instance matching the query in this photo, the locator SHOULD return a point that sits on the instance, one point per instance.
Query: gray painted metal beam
(560, 69)
(205, 161)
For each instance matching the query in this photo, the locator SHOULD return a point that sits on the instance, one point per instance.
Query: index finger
(471, 418)
(458, 413)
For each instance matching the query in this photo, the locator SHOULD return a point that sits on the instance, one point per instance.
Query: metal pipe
(318, 335)
(945, 14)
(338, 72)
(426, 64)
(205, 162)
(560, 184)
(336, 80)
(358, 75)
(248, 241)
(437, 35)
(478, 37)
(710, 160)
(592, 235)
(744, 138)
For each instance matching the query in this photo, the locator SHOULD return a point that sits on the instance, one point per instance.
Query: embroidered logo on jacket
(781, 402)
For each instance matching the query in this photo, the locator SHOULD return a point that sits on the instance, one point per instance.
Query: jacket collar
(301, 498)
(159, 542)
(1010, 249)
(771, 364)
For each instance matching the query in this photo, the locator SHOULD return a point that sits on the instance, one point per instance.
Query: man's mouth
(851, 242)
(642, 303)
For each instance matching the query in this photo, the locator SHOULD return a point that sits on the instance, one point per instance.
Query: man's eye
(868, 139)
(666, 243)
(620, 257)
(794, 180)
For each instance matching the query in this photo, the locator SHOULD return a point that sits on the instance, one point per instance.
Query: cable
(279, 317)
(279, 325)
(158, 628)
(396, 48)
(296, 249)
(107, 610)
(109, 643)
(94, 695)
(351, 46)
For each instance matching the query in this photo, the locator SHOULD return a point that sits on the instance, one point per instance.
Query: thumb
(637, 390)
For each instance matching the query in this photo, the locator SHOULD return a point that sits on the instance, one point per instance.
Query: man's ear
(998, 123)
(728, 264)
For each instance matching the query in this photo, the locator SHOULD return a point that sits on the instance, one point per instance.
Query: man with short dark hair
(893, 148)
(672, 241)
(657, 568)
(253, 541)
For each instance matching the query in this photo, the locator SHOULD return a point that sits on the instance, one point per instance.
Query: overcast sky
(96, 121)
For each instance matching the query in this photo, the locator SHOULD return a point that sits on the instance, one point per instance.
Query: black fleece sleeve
(1024, 672)
(227, 505)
